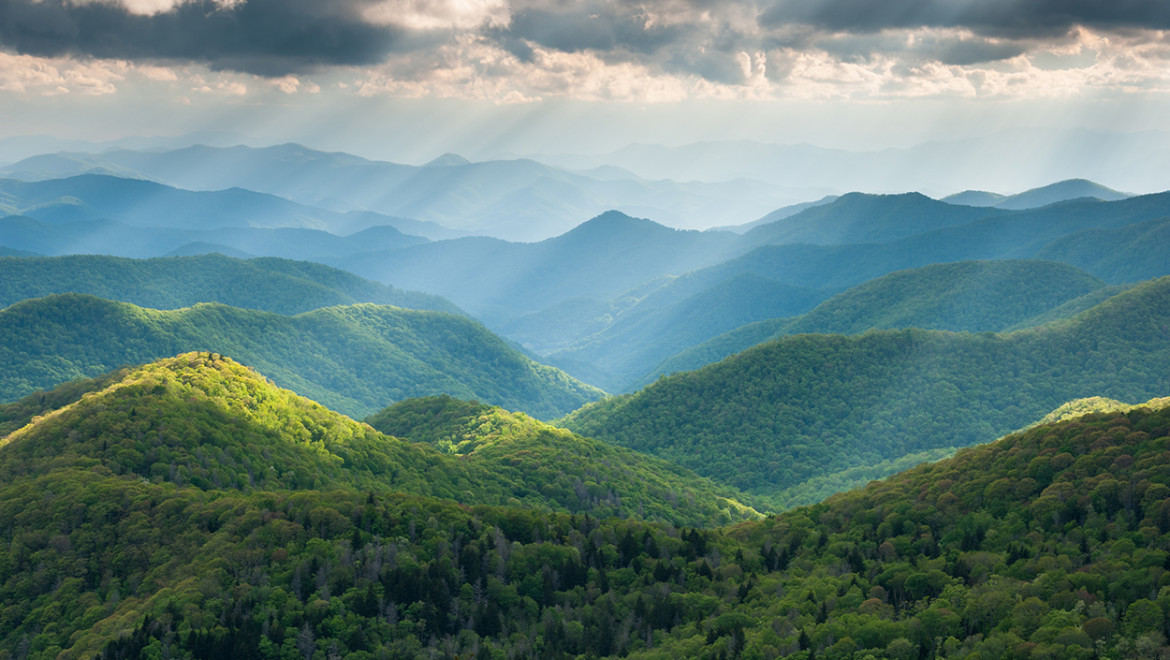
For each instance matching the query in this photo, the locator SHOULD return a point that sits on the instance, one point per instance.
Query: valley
(280, 402)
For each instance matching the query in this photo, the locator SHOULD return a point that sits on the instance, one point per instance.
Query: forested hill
(1048, 543)
(272, 285)
(967, 296)
(205, 421)
(356, 359)
(519, 448)
(780, 414)
(862, 218)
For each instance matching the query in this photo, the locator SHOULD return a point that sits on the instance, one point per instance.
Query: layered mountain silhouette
(772, 417)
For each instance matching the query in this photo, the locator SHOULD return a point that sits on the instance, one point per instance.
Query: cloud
(264, 37)
(513, 51)
(1006, 18)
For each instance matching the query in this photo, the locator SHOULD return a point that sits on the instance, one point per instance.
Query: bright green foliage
(1081, 407)
(205, 421)
(271, 285)
(1050, 543)
(355, 359)
(568, 468)
(800, 407)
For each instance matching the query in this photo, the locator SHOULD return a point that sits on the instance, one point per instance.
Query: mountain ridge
(355, 358)
(792, 408)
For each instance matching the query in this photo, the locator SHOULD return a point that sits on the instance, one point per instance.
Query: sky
(407, 80)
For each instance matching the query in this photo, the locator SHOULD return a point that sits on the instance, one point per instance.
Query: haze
(1020, 94)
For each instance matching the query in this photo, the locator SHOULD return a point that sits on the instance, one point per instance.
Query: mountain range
(770, 418)
(517, 199)
(1011, 160)
(191, 509)
(158, 498)
(614, 300)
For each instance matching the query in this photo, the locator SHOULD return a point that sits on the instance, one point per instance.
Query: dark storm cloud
(1019, 19)
(265, 37)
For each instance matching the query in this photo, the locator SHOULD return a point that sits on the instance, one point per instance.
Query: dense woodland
(271, 285)
(205, 421)
(1051, 543)
(154, 506)
(775, 416)
(355, 358)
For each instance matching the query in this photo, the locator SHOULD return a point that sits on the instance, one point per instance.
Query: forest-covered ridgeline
(275, 285)
(775, 418)
(203, 420)
(189, 509)
(355, 358)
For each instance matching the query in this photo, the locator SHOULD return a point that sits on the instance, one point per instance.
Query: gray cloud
(584, 28)
(1005, 18)
(265, 37)
(693, 37)
(623, 32)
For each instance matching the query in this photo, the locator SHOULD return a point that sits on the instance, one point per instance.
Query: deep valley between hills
(236, 424)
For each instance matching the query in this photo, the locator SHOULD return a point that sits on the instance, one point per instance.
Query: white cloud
(25, 74)
(439, 14)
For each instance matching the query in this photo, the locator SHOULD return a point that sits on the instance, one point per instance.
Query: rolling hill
(1050, 543)
(271, 285)
(971, 296)
(773, 417)
(161, 422)
(356, 359)
(966, 296)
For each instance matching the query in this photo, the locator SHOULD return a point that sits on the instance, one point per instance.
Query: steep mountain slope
(272, 285)
(772, 417)
(356, 359)
(1048, 543)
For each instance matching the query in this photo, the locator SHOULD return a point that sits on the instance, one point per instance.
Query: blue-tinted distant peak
(615, 222)
(448, 160)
